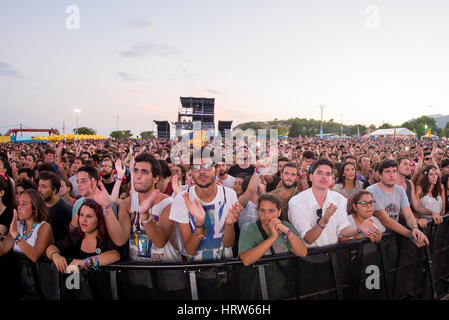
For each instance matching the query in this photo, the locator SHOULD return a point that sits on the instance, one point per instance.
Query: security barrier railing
(392, 269)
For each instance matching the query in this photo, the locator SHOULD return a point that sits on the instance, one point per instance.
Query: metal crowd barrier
(393, 269)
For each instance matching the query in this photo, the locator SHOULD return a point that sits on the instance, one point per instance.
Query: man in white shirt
(320, 215)
(223, 176)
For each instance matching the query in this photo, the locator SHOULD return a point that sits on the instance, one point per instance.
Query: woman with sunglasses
(29, 232)
(89, 246)
(7, 203)
(360, 208)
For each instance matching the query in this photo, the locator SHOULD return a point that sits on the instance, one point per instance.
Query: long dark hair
(9, 197)
(7, 166)
(341, 178)
(424, 183)
(101, 225)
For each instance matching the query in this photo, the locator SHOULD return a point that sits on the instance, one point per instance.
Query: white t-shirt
(228, 182)
(210, 248)
(302, 215)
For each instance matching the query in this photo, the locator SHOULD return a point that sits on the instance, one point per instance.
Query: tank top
(140, 246)
(32, 238)
(408, 191)
(433, 204)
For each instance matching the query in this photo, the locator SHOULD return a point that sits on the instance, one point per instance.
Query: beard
(205, 184)
(106, 175)
(288, 186)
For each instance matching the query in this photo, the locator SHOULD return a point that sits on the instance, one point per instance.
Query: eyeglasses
(204, 166)
(319, 213)
(366, 203)
(106, 166)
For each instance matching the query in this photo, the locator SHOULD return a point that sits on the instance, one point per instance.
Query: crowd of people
(87, 204)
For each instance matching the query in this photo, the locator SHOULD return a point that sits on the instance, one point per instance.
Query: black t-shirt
(59, 217)
(235, 170)
(70, 246)
(6, 217)
(110, 186)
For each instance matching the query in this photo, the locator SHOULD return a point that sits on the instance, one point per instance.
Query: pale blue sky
(366, 61)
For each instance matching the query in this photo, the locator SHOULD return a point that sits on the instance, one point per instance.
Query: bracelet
(202, 234)
(51, 255)
(18, 238)
(286, 235)
(319, 225)
(363, 235)
(411, 236)
(201, 226)
(358, 230)
(105, 209)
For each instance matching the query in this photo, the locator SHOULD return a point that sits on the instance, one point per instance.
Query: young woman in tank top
(29, 232)
(430, 190)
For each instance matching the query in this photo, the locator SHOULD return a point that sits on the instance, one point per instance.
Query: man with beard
(391, 200)
(287, 188)
(206, 214)
(143, 217)
(59, 212)
(223, 176)
(107, 169)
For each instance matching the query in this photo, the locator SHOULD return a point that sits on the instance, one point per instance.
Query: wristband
(105, 209)
(358, 230)
(410, 236)
(319, 225)
(286, 235)
(363, 235)
(118, 179)
(18, 238)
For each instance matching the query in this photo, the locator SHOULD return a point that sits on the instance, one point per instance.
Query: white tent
(400, 133)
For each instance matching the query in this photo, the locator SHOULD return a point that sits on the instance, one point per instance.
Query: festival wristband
(410, 236)
(105, 209)
(319, 225)
(18, 238)
(286, 235)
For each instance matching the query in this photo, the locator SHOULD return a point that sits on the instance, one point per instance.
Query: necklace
(31, 231)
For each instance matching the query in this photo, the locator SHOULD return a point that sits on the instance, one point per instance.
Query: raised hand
(329, 213)
(176, 184)
(234, 213)
(13, 226)
(100, 194)
(195, 209)
(120, 169)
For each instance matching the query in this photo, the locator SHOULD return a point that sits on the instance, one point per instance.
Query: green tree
(295, 128)
(446, 130)
(386, 126)
(84, 130)
(121, 134)
(147, 134)
(421, 125)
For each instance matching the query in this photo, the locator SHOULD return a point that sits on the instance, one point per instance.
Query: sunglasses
(427, 159)
(319, 213)
(366, 203)
(204, 166)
